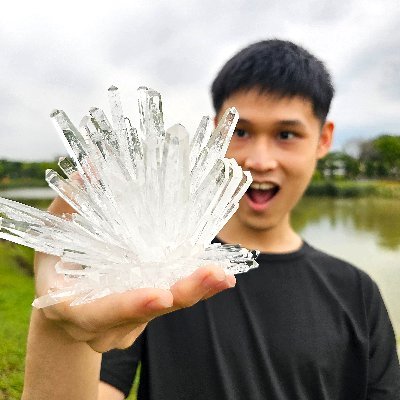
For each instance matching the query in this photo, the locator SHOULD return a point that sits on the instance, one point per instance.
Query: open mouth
(261, 193)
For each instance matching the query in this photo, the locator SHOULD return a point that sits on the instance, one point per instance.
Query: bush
(353, 189)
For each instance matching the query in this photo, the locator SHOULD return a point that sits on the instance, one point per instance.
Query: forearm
(57, 367)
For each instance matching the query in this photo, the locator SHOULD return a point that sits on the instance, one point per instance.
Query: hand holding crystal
(130, 241)
(117, 320)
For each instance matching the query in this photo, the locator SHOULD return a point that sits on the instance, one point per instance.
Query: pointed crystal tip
(233, 110)
(111, 88)
(54, 113)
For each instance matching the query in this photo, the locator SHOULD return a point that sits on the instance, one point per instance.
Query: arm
(119, 367)
(384, 369)
(64, 343)
(57, 366)
(108, 392)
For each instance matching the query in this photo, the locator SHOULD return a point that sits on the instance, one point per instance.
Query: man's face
(278, 140)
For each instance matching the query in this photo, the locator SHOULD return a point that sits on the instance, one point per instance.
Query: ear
(325, 139)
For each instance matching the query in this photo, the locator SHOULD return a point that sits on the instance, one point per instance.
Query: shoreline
(317, 188)
(354, 189)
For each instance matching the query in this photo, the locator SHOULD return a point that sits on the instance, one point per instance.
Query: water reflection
(381, 217)
(29, 193)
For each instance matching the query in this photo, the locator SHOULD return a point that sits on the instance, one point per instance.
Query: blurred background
(66, 54)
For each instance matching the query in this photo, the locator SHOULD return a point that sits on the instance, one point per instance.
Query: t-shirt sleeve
(384, 369)
(118, 367)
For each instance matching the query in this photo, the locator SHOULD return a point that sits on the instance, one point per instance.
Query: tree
(388, 149)
(338, 163)
(380, 157)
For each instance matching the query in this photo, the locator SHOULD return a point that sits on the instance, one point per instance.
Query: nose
(261, 157)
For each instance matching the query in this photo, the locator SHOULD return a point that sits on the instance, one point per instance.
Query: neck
(280, 238)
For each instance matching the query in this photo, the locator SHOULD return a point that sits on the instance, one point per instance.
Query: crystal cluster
(148, 203)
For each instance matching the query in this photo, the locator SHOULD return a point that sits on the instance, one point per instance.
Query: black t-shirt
(303, 325)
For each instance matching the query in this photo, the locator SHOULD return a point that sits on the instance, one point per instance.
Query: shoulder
(341, 272)
(332, 264)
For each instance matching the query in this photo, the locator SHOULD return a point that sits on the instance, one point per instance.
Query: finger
(130, 338)
(192, 289)
(59, 207)
(135, 306)
(117, 338)
(76, 177)
(229, 283)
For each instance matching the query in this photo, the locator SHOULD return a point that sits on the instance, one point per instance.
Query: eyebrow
(290, 122)
(283, 122)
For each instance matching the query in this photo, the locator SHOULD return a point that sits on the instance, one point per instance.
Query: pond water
(365, 232)
(28, 193)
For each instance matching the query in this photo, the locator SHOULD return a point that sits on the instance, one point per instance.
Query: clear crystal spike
(200, 139)
(67, 166)
(216, 146)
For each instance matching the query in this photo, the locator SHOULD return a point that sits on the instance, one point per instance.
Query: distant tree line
(377, 158)
(11, 171)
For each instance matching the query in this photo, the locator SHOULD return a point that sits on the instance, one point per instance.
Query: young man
(304, 325)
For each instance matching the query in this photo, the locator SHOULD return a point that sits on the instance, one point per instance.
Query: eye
(286, 135)
(241, 133)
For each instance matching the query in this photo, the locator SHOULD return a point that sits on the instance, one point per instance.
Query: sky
(66, 54)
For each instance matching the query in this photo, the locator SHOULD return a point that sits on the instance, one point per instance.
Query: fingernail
(228, 283)
(214, 279)
(159, 304)
(231, 279)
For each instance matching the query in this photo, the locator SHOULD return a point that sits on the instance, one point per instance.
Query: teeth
(262, 186)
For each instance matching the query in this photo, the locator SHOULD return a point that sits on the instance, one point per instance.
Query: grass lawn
(16, 295)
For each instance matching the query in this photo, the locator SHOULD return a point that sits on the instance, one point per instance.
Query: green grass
(42, 204)
(23, 183)
(135, 387)
(16, 295)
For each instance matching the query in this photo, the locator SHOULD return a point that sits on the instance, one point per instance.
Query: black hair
(277, 67)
